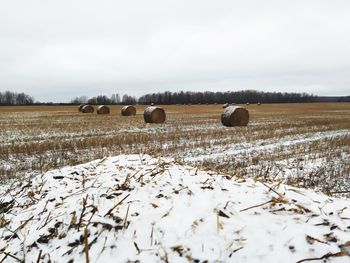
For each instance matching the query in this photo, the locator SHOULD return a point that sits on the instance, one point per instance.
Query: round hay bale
(81, 107)
(87, 109)
(154, 115)
(103, 109)
(152, 104)
(247, 103)
(225, 105)
(128, 111)
(259, 103)
(235, 116)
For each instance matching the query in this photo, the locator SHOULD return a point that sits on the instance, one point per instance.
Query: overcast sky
(56, 50)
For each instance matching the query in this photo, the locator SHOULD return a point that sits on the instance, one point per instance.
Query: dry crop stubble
(37, 138)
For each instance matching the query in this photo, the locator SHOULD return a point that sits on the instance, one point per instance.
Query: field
(305, 145)
(188, 190)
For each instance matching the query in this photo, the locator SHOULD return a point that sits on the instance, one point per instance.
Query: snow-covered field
(189, 190)
(135, 208)
(306, 144)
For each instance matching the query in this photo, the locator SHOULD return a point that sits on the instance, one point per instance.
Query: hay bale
(87, 109)
(225, 105)
(81, 107)
(128, 111)
(154, 115)
(247, 103)
(259, 103)
(152, 104)
(235, 116)
(103, 109)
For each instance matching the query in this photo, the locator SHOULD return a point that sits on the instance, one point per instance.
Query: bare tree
(13, 98)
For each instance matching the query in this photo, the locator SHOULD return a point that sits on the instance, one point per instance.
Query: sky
(57, 50)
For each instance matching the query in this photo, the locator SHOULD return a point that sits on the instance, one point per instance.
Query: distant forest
(13, 98)
(207, 97)
(102, 99)
(244, 96)
(181, 97)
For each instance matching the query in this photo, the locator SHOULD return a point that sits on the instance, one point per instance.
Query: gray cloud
(56, 50)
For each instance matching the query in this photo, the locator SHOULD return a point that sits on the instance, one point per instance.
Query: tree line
(207, 97)
(114, 99)
(244, 96)
(180, 97)
(13, 98)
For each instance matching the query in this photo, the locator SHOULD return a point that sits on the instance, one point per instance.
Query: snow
(135, 207)
(264, 145)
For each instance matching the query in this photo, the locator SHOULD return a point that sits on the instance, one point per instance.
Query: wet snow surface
(132, 207)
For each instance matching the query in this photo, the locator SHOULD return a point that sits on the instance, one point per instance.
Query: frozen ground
(132, 207)
(307, 160)
(321, 156)
(270, 146)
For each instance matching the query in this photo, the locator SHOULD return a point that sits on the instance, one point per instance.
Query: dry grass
(38, 138)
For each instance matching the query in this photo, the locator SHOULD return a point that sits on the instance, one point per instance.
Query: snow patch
(134, 207)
